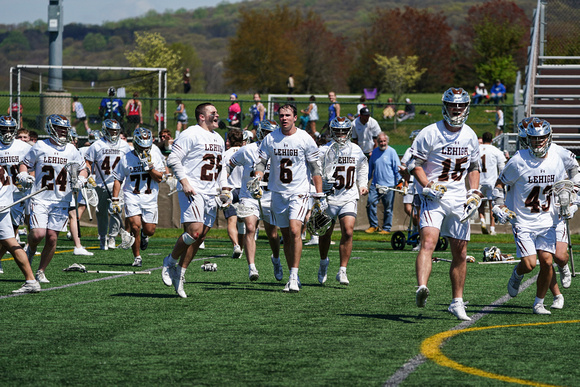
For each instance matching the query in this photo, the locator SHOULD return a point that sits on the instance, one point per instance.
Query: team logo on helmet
(58, 128)
(522, 135)
(455, 106)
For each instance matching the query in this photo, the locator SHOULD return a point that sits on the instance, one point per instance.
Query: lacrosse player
(293, 156)
(103, 156)
(561, 256)
(196, 162)
(82, 205)
(348, 177)
(139, 173)
(234, 182)
(411, 200)
(531, 173)
(384, 173)
(12, 152)
(252, 210)
(492, 163)
(49, 160)
(444, 154)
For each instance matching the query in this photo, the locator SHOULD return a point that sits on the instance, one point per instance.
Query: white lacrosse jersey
(567, 157)
(138, 185)
(10, 156)
(106, 156)
(200, 152)
(289, 157)
(352, 171)
(447, 156)
(531, 179)
(235, 178)
(48, 161)
(365, 134)
(492, 163)
(247, 157)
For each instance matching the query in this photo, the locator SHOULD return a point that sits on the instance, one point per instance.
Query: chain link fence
(562, 28)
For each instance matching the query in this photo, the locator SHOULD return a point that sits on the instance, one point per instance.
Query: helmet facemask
(142, 142)
(340, 130)
(539, 134)
(455, 107)
(7, 130)
(111, 131)
(58, 128)
(265, 128)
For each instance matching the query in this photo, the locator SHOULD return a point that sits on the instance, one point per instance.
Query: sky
(94, 11)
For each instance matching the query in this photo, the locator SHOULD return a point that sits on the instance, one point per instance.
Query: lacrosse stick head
(492, 253)
(72, 169)
(91, 197)
(265, 128)
(319, 221)
(564, 195)
(329, 163)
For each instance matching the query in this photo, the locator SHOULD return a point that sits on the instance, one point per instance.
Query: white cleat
(202, 246)
(28, 288)
(278, 270)
(82, 251)
(237, 252)
(138, 262)
(514, 283)
(342, 278)
(165, 270)
(312, 242)
(458, 310)
(178, 280)
(292, 286)
(104, 245)
(421, 296)
(540, 309)
(111, 243)
(253, 274)
(40, 277)
(565, 276)
(558, 302)
(323, 270)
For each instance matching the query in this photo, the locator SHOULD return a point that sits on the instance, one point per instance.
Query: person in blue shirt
(111, 107)
(497, 92)
(383, 172)
(333, 108)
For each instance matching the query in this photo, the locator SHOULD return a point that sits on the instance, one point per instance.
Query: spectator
(499, 119)
(408, 113)
(165, 143)
(186, 83)
(15, 110)
(258, 112)
(111, 107)
(234, 112)
(312, 112)
(360, 105)
(33, 137)
(365, 131)
(78, 108)
(497, 92)
(134, 113)
(23, 135)
(383, 172)
(389, 110)
(181, 117)
(480, 94)
(333, 108)
(290, 84)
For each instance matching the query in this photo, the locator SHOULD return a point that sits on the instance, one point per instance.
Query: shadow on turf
(404, 318)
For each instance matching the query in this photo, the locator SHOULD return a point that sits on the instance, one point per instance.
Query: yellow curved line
(431, 348)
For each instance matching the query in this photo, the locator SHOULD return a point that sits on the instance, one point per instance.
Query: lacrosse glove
(254, 187)
(115, 207)
(471, 205)
(24, 181)
(502, 214)
(224, 199)
(434, 191)
(320, 200)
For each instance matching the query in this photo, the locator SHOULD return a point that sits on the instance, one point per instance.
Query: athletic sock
(294, 273)
(538, 301)
(252, 266)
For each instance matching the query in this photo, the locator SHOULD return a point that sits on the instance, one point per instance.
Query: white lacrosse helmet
(319, 222)
(142, 141)
(455, 106)
(94, 136)
(58, 128)
(265, 128)
(539, 133)
(414, 134)
(340, 130)
(522, 134)
(492, 253)
(7, 129)
(111, 130)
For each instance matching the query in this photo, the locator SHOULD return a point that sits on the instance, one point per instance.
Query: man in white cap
(365, 131)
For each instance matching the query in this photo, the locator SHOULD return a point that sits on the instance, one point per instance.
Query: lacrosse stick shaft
(77, 214)
(103, 179)
(570, 252)
(84, 191)
(117, 272)
(3, 209)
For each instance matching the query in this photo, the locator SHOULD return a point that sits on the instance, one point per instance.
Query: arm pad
(315, 168)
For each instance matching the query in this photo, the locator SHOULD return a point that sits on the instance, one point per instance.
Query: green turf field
(97, 329)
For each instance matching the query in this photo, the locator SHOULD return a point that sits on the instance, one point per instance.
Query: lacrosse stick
(91, 198)
(329, 163)
(72, 169)
(4, 208)
(319, 221)
(564, 196)
(172, 183)
(252, 186)
(83, 269)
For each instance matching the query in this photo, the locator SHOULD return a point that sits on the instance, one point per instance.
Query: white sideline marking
(406, 369)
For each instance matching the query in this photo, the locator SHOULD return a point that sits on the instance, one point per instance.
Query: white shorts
(6, 229)
(444, 215)
(408, 198)
(289, 206)
(18, 212)
(149, 214)
(529, 242)
(340, 210)
(266, 209)
(52, 216)
(561, 232)
(198, 208)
